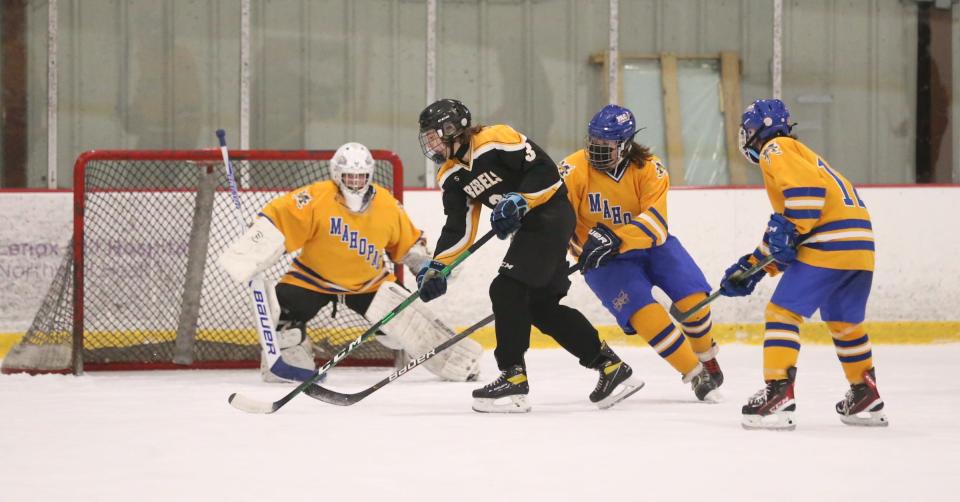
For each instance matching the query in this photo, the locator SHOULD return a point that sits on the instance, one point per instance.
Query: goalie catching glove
(253, 252)
(416, 330)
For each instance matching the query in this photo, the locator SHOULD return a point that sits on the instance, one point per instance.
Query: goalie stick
(341, 399)
(257, 286)
(251, 405)
(681, 316)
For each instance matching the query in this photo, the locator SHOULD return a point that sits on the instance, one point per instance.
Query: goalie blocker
(417, 330)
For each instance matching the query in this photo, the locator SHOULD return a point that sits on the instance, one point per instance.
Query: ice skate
(773, 406)
(709, 360)
(511, 388)
(703, 385)
(616, 381)
(862, 405)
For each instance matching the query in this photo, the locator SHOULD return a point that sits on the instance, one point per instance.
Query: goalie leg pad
(296, 350)
(417, 329)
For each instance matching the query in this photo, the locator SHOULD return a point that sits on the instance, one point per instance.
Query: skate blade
(872, 419)
(515, 404)
(713, 397)
(782, 421)
(630, 386)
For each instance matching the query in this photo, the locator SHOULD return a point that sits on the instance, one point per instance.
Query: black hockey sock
(510, 300)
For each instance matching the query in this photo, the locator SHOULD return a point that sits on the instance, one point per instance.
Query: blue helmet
(611, 124)
(762, 121)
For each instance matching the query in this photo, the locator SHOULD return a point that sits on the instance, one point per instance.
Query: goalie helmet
(352, 170)
(440, 124)
(610, 137)
(762, 121)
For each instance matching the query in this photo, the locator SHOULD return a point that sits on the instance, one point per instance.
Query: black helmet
(440, 124)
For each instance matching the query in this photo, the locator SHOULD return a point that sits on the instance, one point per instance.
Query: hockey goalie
(346, 229)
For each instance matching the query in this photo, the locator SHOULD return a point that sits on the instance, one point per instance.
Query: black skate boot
(512, 384)
(773, 406)
(615, 375)
(862, 404)
(703, 385)
(709, 360)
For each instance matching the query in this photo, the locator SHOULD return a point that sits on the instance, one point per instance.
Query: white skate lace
(500, 379)
(848, 401)
(761, 396)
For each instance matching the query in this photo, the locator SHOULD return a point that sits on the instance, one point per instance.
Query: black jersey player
(498, 167)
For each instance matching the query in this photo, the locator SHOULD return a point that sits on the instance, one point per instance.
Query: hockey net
(140, 289)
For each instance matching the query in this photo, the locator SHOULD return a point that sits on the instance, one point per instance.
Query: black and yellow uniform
(532, 277)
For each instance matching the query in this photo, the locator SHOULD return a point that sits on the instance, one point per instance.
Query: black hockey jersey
(500, 160)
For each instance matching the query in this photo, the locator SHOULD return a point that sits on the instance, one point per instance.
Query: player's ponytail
(639, 154)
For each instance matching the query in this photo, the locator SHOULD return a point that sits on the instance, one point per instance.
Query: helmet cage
(433, 145)
(355, 182)
(605, 154)
(746, 139)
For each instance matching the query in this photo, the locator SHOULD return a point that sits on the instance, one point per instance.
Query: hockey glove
(507, 214)
(781, 237)
(431, 282)
(601, 246)
(734, 284)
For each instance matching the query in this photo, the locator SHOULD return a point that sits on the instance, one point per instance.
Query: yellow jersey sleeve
(406, 235)
(649, 228)
(292, 214)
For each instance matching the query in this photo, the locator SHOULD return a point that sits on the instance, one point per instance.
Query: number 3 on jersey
(530, 153)
(842, 183)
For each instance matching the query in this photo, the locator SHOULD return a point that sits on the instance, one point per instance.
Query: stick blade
(333, 397)
(250, 405)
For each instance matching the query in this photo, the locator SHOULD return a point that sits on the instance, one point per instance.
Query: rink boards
(916, 280)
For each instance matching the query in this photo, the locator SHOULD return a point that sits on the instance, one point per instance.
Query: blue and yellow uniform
(833, 270)
(344, 252)
(632, 200)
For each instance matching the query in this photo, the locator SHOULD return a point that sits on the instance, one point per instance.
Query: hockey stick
(257, 286)
(251, 405)
(680, 316)
(340, 399)
(334, 397)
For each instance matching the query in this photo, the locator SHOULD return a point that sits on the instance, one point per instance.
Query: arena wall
(914, 298)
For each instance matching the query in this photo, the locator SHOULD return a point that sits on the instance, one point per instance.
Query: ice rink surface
(171, 436)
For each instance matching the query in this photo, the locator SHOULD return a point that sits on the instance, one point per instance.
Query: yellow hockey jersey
(831, 218)
(500, 160)
(631, 200)
(343, 252)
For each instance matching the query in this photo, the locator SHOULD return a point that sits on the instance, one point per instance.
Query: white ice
(163, 436)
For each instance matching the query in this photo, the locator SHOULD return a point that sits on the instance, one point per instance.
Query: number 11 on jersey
(843, 184)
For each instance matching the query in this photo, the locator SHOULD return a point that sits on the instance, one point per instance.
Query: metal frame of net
(140, 289)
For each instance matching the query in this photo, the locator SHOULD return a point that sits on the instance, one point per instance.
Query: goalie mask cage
(139, 287)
